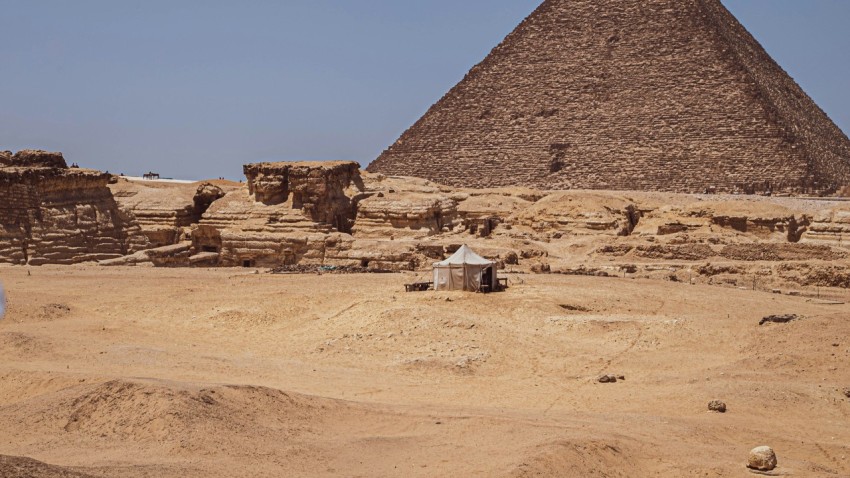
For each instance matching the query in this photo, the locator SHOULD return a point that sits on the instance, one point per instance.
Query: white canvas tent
(465, 270)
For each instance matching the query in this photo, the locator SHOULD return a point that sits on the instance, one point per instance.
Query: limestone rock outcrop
(323, 192)
(165, 211)
(310, 216)
(415, 216)
(830, 226)
(50, 214)
(399, 208)
(758, 220)
(581, 213)
(32, 158)
(292, 213)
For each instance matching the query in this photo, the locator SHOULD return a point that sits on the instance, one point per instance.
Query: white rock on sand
(762, 459)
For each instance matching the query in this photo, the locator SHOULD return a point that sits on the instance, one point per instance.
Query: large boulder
(762, 459)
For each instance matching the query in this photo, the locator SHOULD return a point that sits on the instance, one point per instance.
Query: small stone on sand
(762, 459)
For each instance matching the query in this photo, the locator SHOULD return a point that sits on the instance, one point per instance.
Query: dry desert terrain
(143, 372)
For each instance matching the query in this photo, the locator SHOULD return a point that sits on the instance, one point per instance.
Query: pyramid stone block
(665, 95)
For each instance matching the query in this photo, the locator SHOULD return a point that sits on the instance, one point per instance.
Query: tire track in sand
(839, 465)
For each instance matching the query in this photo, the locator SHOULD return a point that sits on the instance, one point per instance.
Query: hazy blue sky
(194, 89)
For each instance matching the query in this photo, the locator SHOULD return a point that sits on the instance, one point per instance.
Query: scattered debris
(574, 308)
(780, 319)
(54, 311)
(762, 459)
(717, 406)
(583, 271)
(317, 269)
(610, 378)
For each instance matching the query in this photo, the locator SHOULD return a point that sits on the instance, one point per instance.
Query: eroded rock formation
(291, 213)
(830, 226)
(166, 211)
(332, 214)
(581, 213)
(50, 214)
(323, 192)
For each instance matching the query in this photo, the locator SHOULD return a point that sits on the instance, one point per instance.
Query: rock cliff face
(331, 214)
(581, 214)
(50, 214)
(830, 226)
(760, 221)
(655, 95)
(323, 192)
(409, 208)
(166, 211)
(289, 213)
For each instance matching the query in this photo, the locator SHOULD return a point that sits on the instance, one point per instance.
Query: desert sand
(142, 372)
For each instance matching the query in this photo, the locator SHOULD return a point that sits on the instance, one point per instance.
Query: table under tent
(466, 270)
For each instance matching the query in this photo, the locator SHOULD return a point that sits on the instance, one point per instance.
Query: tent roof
(464, 255)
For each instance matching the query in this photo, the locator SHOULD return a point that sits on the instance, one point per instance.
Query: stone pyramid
(668, 95)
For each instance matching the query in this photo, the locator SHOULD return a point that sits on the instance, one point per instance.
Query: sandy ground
(137, 372)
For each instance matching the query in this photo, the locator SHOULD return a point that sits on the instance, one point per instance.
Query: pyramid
(663, 95)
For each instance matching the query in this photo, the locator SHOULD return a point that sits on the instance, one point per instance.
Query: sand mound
(20, 467)
(586, 458)
(22, 344)
(444, 340)
(178, 416)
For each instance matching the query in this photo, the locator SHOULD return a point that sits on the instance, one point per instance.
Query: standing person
(2, 302)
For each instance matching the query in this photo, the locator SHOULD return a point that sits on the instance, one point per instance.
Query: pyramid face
(667, 95)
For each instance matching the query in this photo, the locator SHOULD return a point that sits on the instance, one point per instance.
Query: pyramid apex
(665, 95)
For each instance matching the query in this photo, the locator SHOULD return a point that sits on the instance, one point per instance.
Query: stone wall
(53, 215)
(662, 95)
